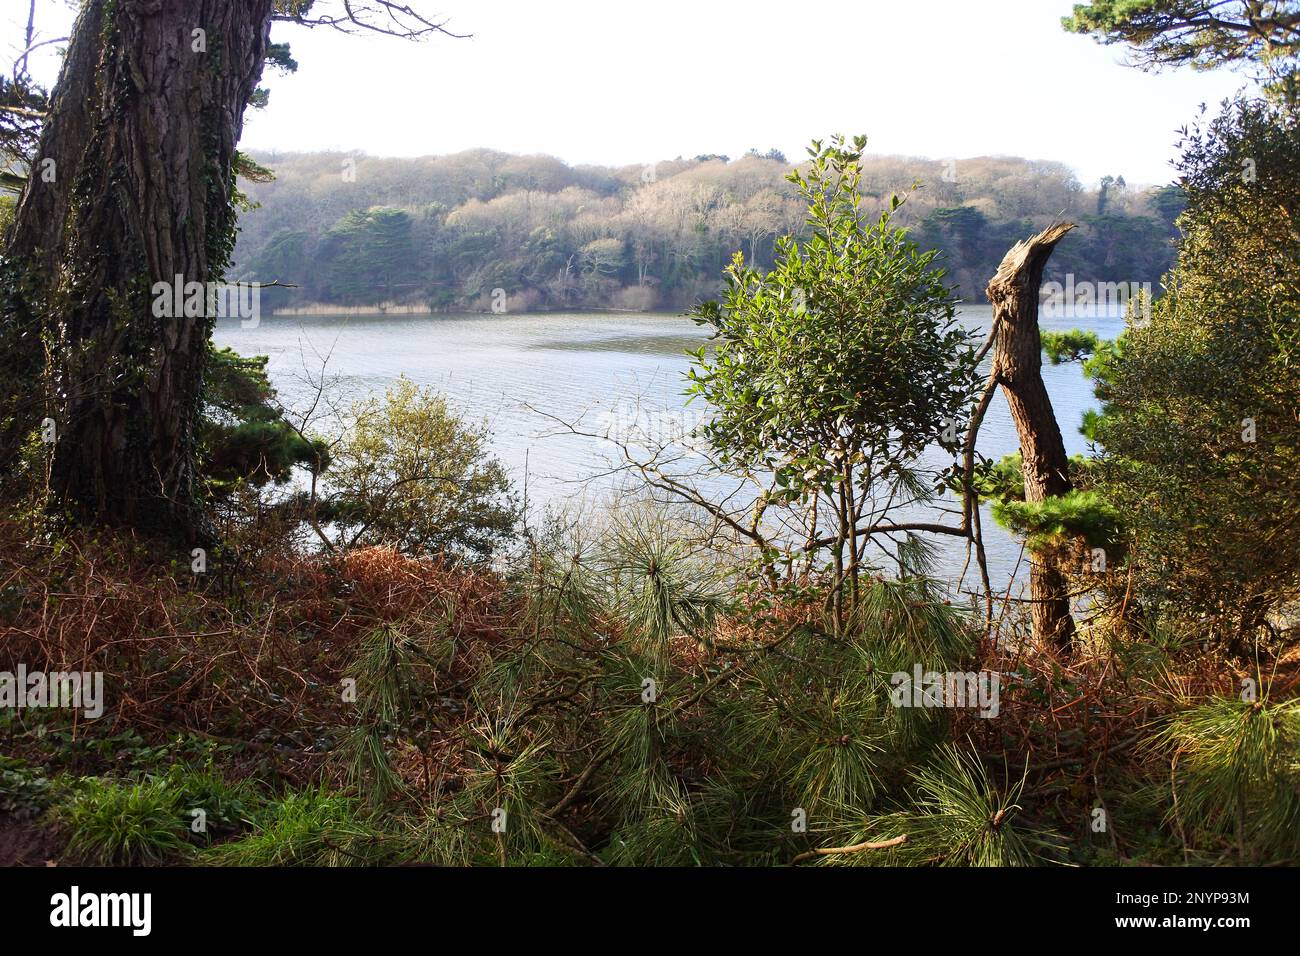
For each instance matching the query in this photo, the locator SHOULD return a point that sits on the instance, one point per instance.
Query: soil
(27, 844)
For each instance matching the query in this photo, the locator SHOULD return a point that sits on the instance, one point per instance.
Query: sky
(617, 82)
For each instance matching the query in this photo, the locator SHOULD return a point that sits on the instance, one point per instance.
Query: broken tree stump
(1017, 367)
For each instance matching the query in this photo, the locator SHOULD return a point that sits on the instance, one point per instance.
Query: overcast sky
(626, 81)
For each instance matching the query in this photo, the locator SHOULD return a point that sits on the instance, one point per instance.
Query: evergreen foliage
(1200, 437)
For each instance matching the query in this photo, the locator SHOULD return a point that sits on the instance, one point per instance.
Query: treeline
(447, 231)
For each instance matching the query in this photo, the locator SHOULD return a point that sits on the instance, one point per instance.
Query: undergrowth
(612, 698)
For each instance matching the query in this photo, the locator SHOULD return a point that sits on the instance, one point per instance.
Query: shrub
(959, 818)
(25, 792)
(411, 474)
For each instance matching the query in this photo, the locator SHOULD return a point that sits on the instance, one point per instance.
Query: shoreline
(356, 310)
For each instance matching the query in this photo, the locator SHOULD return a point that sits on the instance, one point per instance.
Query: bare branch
(23, 111)
(374, 16)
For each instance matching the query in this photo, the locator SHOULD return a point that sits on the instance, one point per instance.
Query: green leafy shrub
(1201, 439)
(410, 473)
(25, 792)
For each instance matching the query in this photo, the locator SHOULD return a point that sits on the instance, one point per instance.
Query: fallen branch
(855, 848)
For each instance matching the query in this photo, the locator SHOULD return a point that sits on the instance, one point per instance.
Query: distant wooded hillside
(446, 231)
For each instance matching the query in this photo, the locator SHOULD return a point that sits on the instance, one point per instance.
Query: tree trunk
(143, 126)
(32, 250)
(1017, 366)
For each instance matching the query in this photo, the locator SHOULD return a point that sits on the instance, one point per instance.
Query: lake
(622, 370)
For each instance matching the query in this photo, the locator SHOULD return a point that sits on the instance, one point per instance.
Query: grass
(311, 828)
(118, 824)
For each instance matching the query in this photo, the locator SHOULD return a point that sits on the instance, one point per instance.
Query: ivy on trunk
(141, 134)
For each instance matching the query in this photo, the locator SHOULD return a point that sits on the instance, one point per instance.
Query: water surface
(599, 370)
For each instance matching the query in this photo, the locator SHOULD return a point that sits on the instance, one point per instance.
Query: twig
(855, 848)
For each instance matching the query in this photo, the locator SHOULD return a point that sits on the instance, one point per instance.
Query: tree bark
(33, 245)
(1017, 366)
(143, 128)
